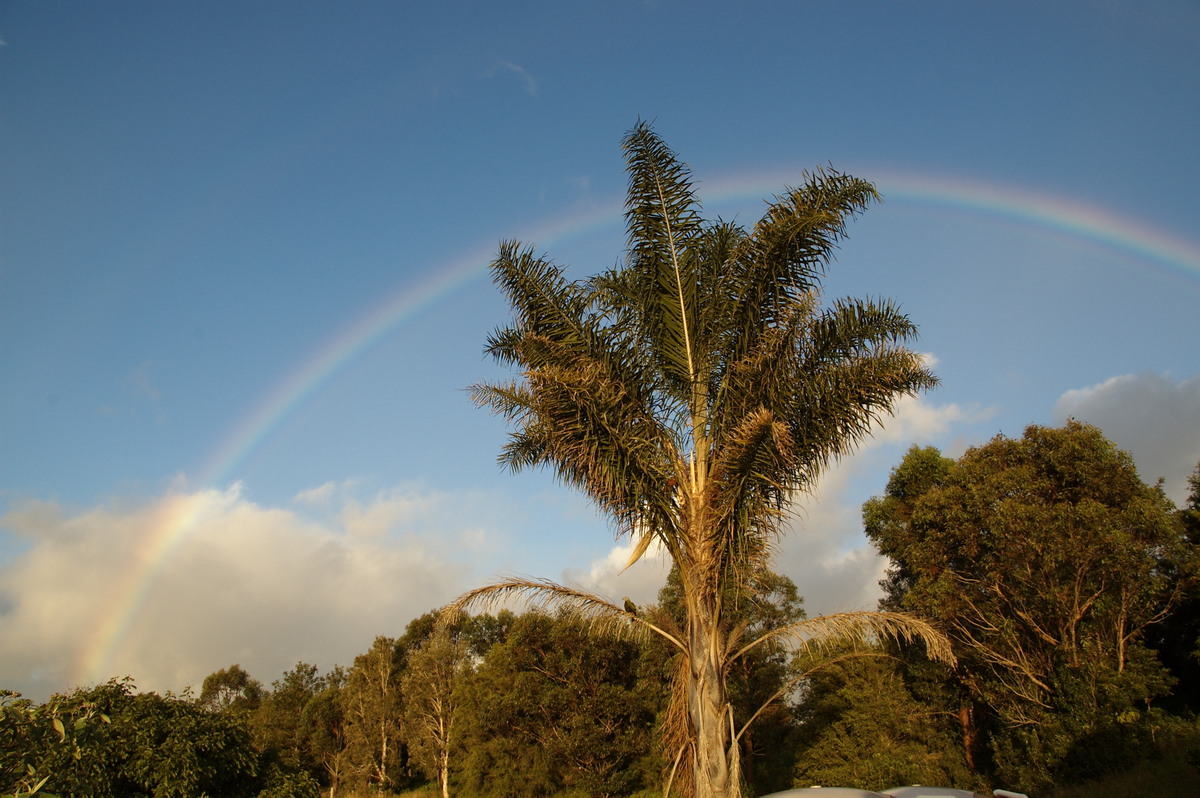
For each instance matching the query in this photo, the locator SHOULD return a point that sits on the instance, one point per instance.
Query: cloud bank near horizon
(318, 579)
(265, 587)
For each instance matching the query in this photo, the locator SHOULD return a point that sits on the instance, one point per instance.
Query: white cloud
(609, 577)
(373, 519)
(825, 554)
(824, 550)
(319, 496)
(267, 586)
(243, 583)
(1154, 417)
(916, 420)
(527, 81)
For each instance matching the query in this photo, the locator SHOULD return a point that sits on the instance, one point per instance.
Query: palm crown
(692, 392)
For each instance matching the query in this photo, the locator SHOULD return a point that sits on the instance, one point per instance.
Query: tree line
(507, 704)
(1067, 585)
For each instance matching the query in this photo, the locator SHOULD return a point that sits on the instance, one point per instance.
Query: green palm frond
(849, 327)
(547, 304)
(597, 436)
(842, 401)
(786, 254)
(661, 208)
(797, 236)
(661, 215)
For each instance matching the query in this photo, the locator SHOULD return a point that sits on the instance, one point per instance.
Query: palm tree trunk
(714, 764)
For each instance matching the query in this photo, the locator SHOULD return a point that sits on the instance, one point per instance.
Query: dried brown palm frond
(677, 739)
(599, 614)
(854, 634)
(830, 633)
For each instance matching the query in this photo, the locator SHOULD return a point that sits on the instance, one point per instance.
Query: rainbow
(1065, 216)
(177, 514)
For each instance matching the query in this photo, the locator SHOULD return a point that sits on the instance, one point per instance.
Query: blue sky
(200, 201)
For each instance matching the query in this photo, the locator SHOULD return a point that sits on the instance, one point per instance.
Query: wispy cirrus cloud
(528, 83)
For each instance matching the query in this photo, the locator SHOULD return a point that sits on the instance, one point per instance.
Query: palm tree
(692, 392)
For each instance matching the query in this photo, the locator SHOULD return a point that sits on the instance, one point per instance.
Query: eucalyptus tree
(324, 724)
(693, 391)
(373, 713)
(1047, 559)
(278, 722)
(434, 671)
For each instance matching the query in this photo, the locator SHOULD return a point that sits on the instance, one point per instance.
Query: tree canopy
(1047, 559)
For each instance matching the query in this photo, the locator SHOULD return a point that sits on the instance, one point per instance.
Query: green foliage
(1046, 558)
(432, 712)
(278, 720)
(323, 731)
(861, 727)
(36, 742)
(553, 708)
(283, 782)
(888, 517)
(1098, 722)
(477, 632)
(230, 689)
(1169, 769)
(179, 752)
(162, 746)
(1177, 638)
(372, 709)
